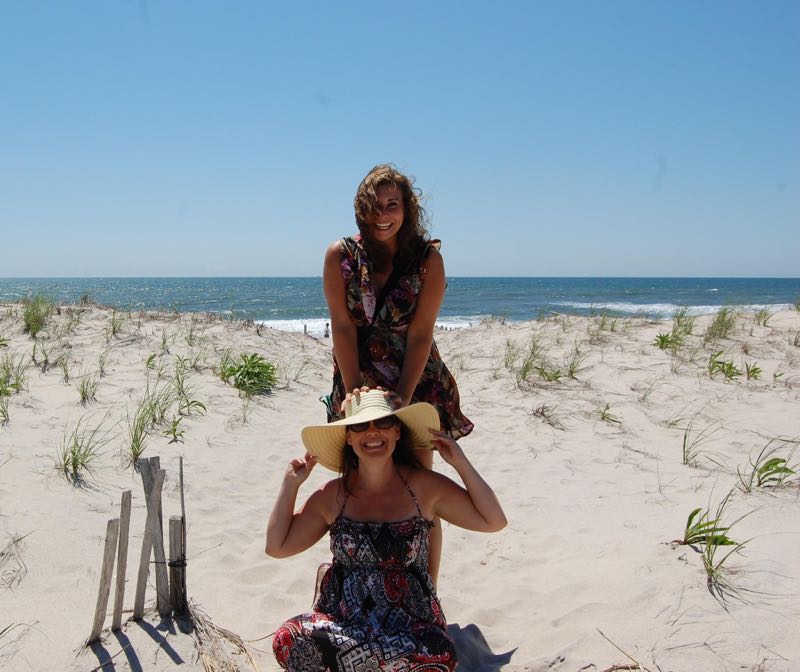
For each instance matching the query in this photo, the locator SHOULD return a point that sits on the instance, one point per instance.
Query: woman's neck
(376, 477)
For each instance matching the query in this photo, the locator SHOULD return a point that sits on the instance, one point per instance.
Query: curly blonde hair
(412, 235)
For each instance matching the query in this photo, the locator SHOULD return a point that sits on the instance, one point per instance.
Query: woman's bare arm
(343, 331)
(420, 332)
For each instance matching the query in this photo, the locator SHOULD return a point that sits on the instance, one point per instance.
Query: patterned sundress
(382, 324)
(377, 610)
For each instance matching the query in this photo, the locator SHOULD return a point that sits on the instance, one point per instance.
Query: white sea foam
(665, 309)
(316, 326)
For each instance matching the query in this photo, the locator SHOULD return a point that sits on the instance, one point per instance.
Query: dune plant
(511, 354)
(184, 393)
(115, 323)
(251, 375)
(36, 311)
(717, 365)
(175, 433)
(532, 359)
(701, 528)
(547, 413)
(12, 567)
(87, 388)
(682, 322)
(767, 469)
(63, 364)
(40, 356)
(762, 317)
(5, 416)
(574, 363)
(548, 372)
(3, 342)
(79, 448)
(102, 362)
(667, 341)
(694, 440)
(14, 372)
(138, 436)
(150, 361)
(721, 326)
(607, 416)
(752, 370)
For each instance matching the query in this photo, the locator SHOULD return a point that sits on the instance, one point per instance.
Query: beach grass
(36, 312)
(252, 374)
(87, 387)
(693, 442)
(79, 448)
(768, 469)
(721, 326)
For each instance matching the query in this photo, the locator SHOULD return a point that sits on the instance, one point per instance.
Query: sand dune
(590, 470)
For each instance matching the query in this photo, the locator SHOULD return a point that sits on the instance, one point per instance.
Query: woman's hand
(299, 470)
(448, 448)
(394, 400)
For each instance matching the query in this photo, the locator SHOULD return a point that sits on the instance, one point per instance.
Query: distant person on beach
(327, 330)
(384, 287)
(377, 607)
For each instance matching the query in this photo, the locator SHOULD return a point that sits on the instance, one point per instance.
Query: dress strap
(410, 492)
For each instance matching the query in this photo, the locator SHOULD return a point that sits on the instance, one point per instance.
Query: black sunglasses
(381, 423)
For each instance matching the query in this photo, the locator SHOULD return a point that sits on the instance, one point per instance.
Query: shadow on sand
(158, 633)
(474, 654)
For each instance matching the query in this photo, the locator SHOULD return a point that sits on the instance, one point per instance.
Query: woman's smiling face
(374, 441)
(390, 213)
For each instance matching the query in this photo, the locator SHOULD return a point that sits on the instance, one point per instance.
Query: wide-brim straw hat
(326, 442)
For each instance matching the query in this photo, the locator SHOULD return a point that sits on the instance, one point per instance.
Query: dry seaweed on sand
(219, 650)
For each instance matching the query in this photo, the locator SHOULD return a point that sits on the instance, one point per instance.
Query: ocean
(293, 304)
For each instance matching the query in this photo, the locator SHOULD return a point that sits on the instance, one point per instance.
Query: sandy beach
(598, 442)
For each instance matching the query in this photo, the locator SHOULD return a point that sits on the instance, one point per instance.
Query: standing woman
(384, 287)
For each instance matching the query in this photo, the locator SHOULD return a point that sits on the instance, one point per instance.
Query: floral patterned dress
(377, 609)
(382, 323)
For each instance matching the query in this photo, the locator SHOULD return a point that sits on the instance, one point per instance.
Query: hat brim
(326, 442)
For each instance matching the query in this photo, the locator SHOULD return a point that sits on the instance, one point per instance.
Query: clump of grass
(36, 311)
(574, 363)
(717, 365)
(12, 567)
(3, 342)
(762, 317)
(138, 426)
(251, 375)
(5, 415)
(752, 370)
(40, 356)
(719, 576)
(682, 323)
(768, 470)
(115, 323)
(63, 364)
(175, 433)
(548, 372)
(14, 372)
(607, 416)
(721, 326)
(150, 361)
(694, 440)
(547, 413)
(511, 354)
(702, 529)
(87, 388)
(668, 341)
(79, 448)
(183, 391)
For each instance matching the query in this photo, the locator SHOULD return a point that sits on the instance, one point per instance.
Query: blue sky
(550, 139)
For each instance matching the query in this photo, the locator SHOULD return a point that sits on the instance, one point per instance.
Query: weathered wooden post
(177, 566)
(122, 558)
(112, 532)
(153, 507)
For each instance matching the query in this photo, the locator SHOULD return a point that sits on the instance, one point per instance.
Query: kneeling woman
(377, 608)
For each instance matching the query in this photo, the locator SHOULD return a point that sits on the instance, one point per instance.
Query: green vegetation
(727, 369)
(87, 388)
(547, 414)
(692, 442)
(668, 341)
(63, 364)
(721, 326)
(13, 373)
(762, 317)
(5, 416)
(752, 370)
(138, 427)
(607, 416)
(79, 449)
(575, 361)
(682, 323)
(251, 375)
(36, 311)
(183, 391)
(174, 432)
(3, 342)
(115, 323)
(705, 530)
(768, 470)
